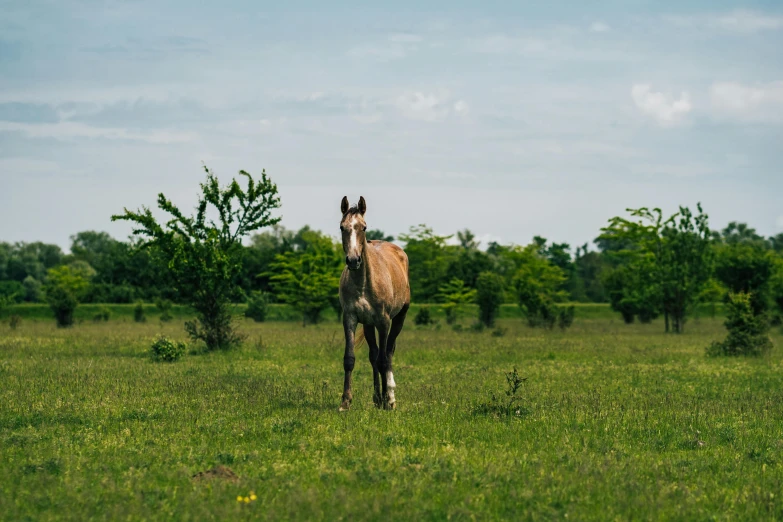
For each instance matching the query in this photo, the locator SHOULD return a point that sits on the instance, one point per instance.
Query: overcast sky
(510, 121)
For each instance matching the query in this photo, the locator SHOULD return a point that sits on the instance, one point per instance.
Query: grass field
(615, 422)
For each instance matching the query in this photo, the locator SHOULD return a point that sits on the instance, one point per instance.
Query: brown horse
(375, 292)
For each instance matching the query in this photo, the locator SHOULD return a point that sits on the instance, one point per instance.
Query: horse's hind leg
(394, 331)
(372, 342)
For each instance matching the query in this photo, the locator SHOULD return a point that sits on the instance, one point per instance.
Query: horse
(374, 291)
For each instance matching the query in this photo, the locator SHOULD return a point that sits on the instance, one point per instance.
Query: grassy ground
(616, 422)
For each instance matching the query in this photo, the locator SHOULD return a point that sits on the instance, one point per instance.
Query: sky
(512, 119)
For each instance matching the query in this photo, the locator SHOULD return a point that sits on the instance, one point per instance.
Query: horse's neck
(369, 262)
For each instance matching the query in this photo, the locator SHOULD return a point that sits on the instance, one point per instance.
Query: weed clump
(747, 330)
(510, 406)
(14, 321)
(166, 350)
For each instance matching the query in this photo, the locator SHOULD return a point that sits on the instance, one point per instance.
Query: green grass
(616, 422)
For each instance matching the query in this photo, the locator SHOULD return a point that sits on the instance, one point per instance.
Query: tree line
(645, 265)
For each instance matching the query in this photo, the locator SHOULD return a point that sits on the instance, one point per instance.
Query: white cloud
(740, 21)
(660, 106)
(461, 107)
(424, 106)
(69, 130)
(599, 27)
(751, 103)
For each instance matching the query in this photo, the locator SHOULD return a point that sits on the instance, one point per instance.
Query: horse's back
(396, 261)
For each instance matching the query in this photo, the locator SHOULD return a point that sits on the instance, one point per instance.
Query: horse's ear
(344, 205)
(362, 205)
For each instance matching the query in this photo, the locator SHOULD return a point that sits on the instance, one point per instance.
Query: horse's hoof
(390, 406)
(345, 406)
(376, 399)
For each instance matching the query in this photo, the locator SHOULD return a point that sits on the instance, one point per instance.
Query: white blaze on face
(353, 241)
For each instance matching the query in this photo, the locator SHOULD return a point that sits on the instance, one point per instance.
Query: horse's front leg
(349, 326)
(383, 364)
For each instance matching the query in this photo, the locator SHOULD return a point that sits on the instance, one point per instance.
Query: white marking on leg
(390, 385)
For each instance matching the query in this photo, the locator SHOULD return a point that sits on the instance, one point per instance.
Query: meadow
(613, 422)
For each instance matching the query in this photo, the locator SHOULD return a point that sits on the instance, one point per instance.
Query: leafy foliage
(423, 317)
(537, 284)
(164, 307)
(453, 294)
(257, 306)
(489, 296)
(164, 349)
(203, 257)
(308, 278)
(747, 330)
(138, 313)
(65, 285)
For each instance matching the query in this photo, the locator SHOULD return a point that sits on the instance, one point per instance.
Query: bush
(164, 307)
(63, 303)
(451, 313)
(14, 321)
(138, 313)
(747, 331)
(423, 317)
(103, 315)
(166, 350)
(565, 316)
(489, 296)
(257, 307)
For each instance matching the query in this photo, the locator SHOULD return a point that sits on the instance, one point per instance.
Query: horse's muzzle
(353, 263)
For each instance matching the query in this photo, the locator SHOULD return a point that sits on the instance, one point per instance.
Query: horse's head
(353, 228)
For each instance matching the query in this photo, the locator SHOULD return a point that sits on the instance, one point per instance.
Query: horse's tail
(359, 339)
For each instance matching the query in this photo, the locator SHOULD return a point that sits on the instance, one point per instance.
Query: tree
(747, 330)
(453, 294)
(308, 279)
(429, 262)
(538, 285)
(65, 285)
(375, 234)
(747, 267)
(203, 257)
(664, 264)
(489, 296)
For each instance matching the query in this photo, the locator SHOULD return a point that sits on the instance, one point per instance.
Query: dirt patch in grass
(219, 472)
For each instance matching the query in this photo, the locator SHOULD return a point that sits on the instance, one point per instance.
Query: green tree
(203, 257)
(747, 267)
(65, 285)
(490, 289)
(538, 286)
(428, 260)
(375, 234)
(747, 330)
(664, 263)
(453, 294)
(308, 279)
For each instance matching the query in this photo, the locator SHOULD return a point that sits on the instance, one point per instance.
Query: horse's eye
(364, 229)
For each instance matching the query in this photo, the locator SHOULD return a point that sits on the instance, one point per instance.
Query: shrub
(103, 315)
(257, 307)
(489, 296)
(14, 321)
(166, 350)
(450, 310)
(747, 331)
(499, 332)
(423, 317)
(565, 316)
(164, 307)
(510, 406)
(138, 313)
(63, 303)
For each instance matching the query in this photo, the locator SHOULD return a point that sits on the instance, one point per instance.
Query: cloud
(70, 130)
(396, 46)
(599, 27)
(660, 106)
(416, 105)
(750, 103)
(739, 21)
(28, 113)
